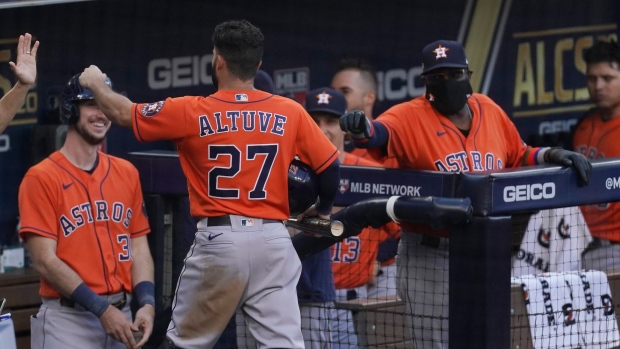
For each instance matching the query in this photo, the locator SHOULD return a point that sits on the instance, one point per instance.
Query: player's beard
(448, 97)
(88, 136)
(214, 77)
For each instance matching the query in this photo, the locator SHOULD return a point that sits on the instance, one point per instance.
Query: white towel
(553, 242)
(570, 310)
(598, 323)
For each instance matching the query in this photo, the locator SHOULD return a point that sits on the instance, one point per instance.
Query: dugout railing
(480, 251)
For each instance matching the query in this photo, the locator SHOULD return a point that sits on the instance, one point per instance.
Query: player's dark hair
(366, 70)
(241, 44)
(603, 51)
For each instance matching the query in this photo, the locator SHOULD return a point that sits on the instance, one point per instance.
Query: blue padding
(539, 187)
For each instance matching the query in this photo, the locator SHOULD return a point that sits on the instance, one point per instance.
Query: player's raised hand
(564, 157)
(91, 76)
(144, 322)
(356, 124)
(118, 326)
(26, 67)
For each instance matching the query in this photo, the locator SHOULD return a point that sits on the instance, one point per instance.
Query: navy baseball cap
(263, 82)
(326, 100)
(443, 54)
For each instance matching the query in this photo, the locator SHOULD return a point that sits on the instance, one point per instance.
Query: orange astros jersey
(385, 162)
(422, 138)
(92, 217)
(597, 139)
(235, 148)
(353, 258)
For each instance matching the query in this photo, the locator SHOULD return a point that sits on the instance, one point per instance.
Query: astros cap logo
(323, 98)
(441, 52)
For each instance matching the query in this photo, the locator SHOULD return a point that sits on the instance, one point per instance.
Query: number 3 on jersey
(347, 250)
(254, 152)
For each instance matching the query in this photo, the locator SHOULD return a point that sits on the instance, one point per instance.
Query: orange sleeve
(517, 149)
(37, 207)
(313, 147)
(163, 120)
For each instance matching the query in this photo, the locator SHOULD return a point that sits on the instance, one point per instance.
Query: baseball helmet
(73, 92)
(303, 188)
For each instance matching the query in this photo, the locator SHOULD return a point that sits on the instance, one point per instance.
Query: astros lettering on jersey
(442, 147)
(212, 148)
(86, 213)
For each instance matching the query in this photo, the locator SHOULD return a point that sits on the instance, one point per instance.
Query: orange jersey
(598, 139)
(385, 162)
(92, 217)
(235, 148)
(353, 160)
(422, 138)
(354, 257)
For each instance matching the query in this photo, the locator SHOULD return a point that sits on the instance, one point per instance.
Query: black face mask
(449, 96)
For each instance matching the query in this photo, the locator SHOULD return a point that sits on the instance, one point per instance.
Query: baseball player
(353, 259)
(235, 147)
(450, 128)
(83, 220)
(26, 71)
(357, 81)
(596, 137)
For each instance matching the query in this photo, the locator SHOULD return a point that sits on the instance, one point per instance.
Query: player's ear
(216, 61)
(369, 98)
(259, 64)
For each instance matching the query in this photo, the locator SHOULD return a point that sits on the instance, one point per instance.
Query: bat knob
(337, 228)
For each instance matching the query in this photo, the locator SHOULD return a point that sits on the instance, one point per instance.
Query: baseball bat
(324, 227)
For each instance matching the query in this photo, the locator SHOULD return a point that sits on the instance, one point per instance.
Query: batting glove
(356, 124)
(563, 157)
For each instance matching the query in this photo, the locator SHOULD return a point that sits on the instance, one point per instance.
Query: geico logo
(528, 192)
(550, 127)
(395, 84)
(179, 72)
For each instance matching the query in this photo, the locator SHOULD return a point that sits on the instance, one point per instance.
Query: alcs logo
(527, 192)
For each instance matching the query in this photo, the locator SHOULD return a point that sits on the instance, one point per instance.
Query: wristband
(89, 300)
(145, 293)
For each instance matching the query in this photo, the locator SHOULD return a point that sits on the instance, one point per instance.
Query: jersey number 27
(253, 153)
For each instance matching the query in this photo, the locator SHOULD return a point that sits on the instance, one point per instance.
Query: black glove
(563, 157)
(356, 124)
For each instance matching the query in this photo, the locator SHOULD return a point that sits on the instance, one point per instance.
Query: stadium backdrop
(526, 55)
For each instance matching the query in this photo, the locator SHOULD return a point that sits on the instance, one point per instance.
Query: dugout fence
(485, 306)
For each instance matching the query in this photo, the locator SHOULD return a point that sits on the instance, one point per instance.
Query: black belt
(221, 221)
(119, 304)
(430, 241)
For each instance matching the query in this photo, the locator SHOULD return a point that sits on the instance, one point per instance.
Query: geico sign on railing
(527, 192)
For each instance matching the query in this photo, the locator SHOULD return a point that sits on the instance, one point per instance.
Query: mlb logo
(343, 186)
(241, 97)
(247, 222)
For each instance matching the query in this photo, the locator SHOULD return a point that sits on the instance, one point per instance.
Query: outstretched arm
(365, 133)
(115, 106)
(26, 71)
